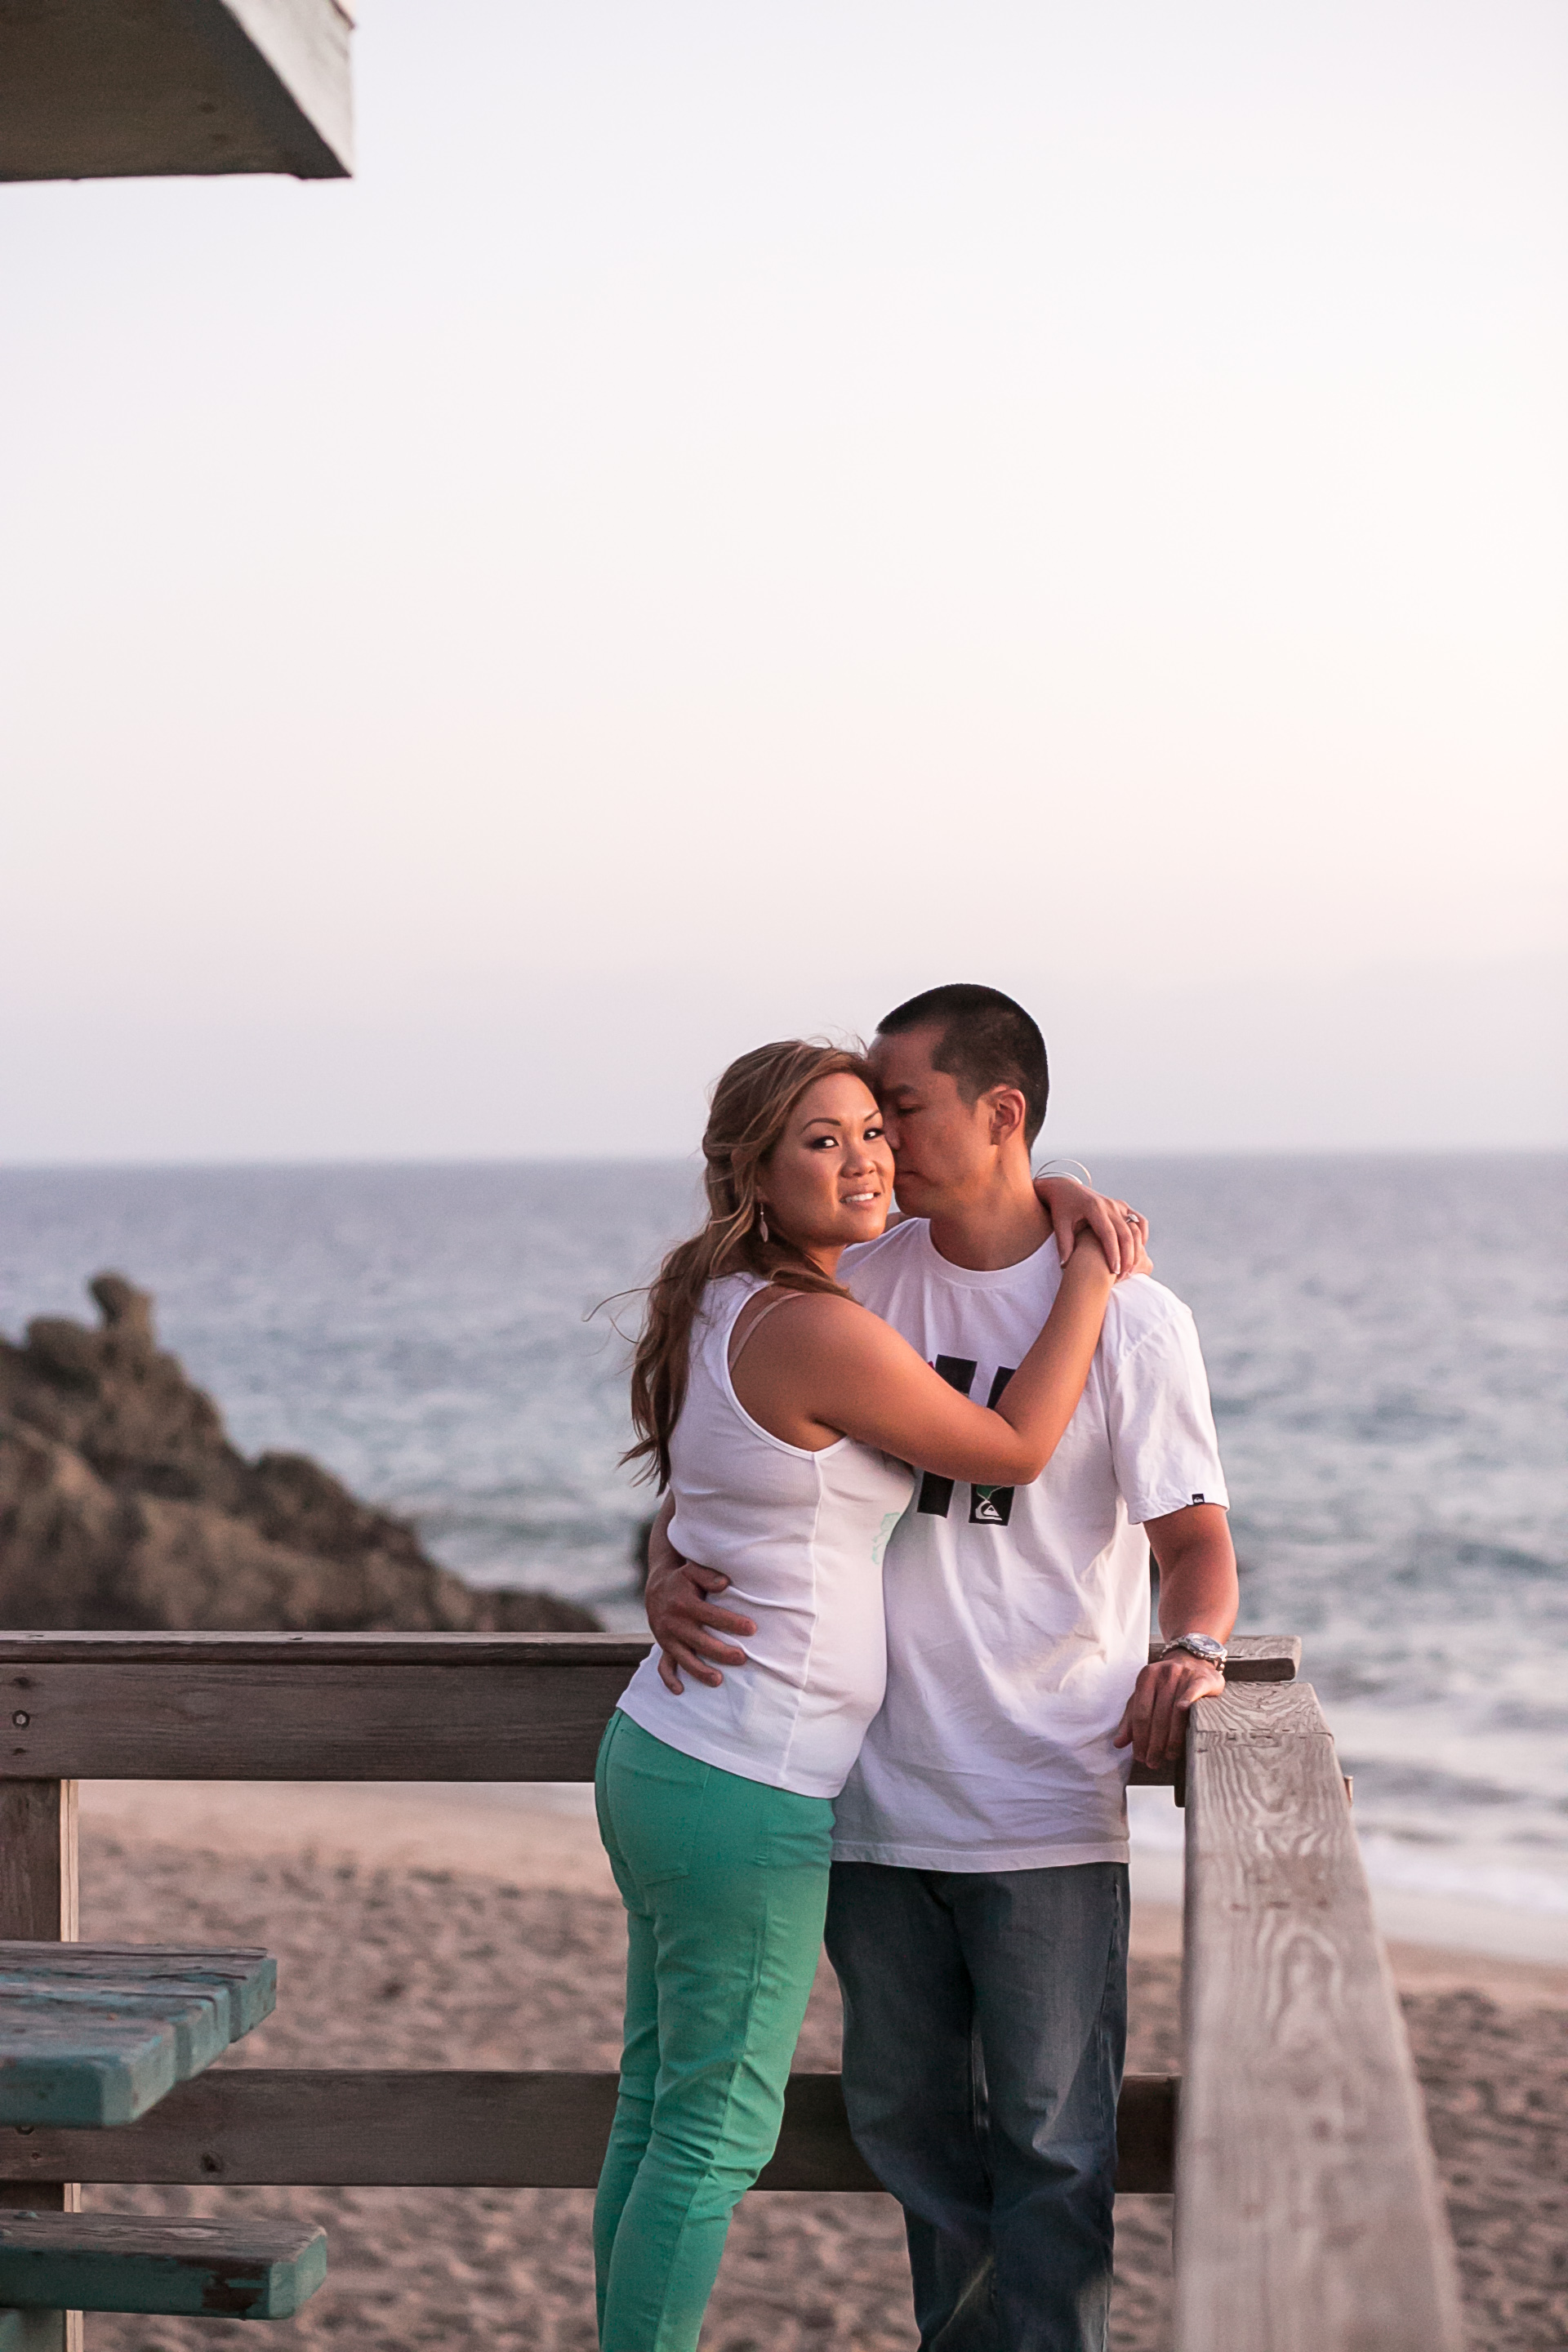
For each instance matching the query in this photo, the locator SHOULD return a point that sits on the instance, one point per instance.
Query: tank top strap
(755, 1325)
(721, 1307)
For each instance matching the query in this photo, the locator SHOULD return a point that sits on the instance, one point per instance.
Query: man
(979, 1906)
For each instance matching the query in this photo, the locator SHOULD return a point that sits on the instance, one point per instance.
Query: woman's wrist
(1089, 1264)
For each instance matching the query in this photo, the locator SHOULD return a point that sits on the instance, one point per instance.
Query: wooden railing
(1307, 2208)
(1308, 2211)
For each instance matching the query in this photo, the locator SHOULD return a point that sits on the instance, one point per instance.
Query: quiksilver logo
(984, 1510)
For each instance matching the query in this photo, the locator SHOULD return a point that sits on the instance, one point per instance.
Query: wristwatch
(1200, 1645)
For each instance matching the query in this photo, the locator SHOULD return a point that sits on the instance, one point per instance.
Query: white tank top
(801, 1537)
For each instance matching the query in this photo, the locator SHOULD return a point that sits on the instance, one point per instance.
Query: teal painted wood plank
(197, 2016)
(29, 2331)
(244, 1976)
(101, 2068)
(191, 2269)
(94, 2035)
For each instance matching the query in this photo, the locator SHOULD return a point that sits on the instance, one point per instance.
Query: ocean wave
(1457, 1874)
(1503, 1885)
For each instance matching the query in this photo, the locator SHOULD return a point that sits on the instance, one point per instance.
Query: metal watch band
(1211, 1653)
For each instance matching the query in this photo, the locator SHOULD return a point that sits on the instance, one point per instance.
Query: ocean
(1387, 1341)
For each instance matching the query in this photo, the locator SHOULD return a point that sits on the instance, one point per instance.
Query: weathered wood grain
(38, 1903)
(363, 2128)
(38, 1894)
(1307, 2216)
(39, 1859)
(282, 1718)
(1254, 1657)
(335, 1707)
(233, 2269)
(20, 1651)
(93, 2065)
(96, 2034)
(240, 1978)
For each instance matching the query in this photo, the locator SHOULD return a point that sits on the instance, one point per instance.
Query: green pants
(725, 1884)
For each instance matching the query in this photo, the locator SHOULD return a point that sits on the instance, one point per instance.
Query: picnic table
(94, 2035)
(97, 2033)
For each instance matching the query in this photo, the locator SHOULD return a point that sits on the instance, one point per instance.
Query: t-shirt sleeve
(1163, 1438)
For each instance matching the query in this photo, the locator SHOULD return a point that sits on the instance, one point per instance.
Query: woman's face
(830, 1179)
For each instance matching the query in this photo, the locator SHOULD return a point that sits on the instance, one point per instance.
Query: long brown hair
(751, 1109)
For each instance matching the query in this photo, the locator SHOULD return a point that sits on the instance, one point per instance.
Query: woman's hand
(1141, 1263)
(1074, 1208)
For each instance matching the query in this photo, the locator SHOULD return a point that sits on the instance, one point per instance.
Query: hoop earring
(763, 1221)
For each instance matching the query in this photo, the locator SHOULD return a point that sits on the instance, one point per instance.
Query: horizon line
(391, 1161)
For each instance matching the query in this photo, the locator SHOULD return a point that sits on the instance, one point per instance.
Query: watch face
(1202, 1646)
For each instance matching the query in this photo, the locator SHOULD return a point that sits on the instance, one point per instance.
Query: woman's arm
(825, 1366)
(1074, 1208)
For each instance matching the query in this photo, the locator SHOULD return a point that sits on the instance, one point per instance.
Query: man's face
(941, 1145)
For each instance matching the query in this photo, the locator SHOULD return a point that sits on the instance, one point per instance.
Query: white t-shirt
(801, 1534)
(1018, 1618)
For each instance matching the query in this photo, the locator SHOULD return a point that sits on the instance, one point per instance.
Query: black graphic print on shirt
(936, 1493)
(992, 1507)
(989, 1507)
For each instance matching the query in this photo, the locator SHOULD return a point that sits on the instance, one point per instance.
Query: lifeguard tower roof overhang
(132, 89)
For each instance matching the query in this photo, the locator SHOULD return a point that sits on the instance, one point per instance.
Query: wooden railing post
(38, 1861)
(1309, 2217)
(38, 1904)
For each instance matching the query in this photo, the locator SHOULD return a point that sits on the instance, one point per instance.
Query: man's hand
(1073, 1207)
(1154, 1722)
(680, 1600)
(1198, 1594)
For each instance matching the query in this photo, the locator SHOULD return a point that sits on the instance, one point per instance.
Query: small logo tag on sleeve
(1198, 1498)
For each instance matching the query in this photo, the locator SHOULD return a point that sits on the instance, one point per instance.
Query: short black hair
(986, 1041)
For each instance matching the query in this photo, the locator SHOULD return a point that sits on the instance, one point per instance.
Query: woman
(780, 1414)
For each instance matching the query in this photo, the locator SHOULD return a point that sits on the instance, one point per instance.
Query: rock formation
(123, 1504)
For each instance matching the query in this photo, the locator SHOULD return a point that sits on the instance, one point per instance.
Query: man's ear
(1008, 1111)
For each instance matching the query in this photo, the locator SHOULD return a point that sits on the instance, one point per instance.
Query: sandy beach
(434, 1927)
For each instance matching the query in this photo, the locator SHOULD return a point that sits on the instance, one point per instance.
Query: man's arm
(682, 1614)
(1198, 1594)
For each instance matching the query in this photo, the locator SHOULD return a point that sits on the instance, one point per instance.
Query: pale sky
(745, 508)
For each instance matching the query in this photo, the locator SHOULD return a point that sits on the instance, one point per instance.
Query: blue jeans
(984, 2030)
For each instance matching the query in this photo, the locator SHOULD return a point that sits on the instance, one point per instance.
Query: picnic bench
(92, 2038)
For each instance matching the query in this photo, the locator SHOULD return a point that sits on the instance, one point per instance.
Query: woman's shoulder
(816, 1320)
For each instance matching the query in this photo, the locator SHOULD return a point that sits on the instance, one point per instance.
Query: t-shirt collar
(969, 1278)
